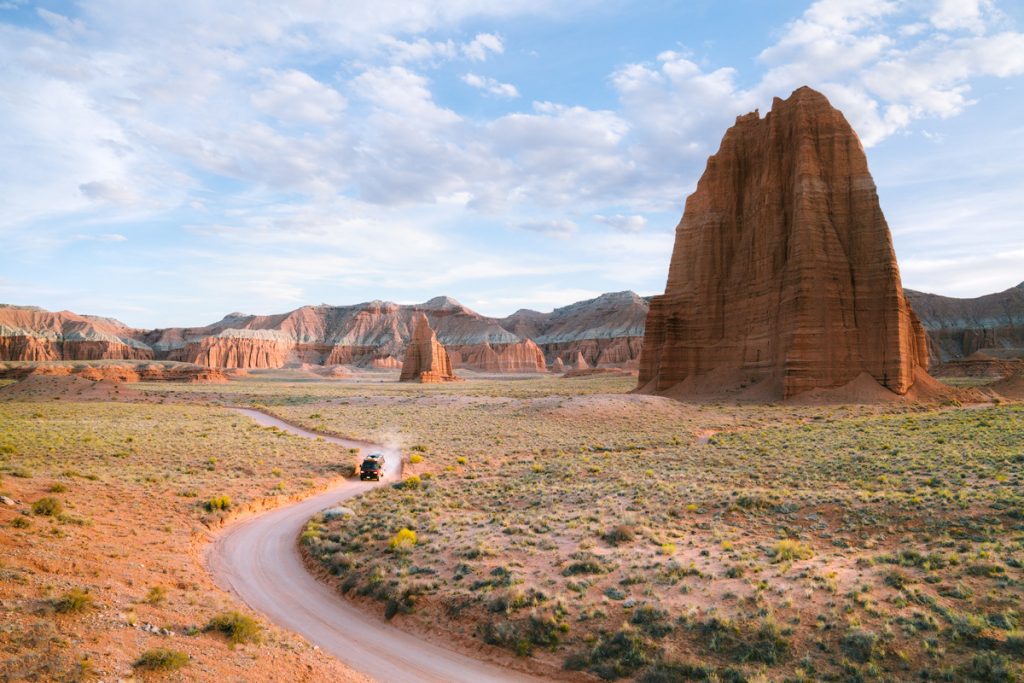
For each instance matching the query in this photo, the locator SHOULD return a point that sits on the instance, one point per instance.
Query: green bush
(161, 659)
(74, 601)
(238, 627)
(859, 645)
(989, 667)
(218, 503)
(50, 507)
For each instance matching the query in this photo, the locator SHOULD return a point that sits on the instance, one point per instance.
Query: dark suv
(372, 467)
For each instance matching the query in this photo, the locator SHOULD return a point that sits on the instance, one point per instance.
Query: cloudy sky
(169, 162)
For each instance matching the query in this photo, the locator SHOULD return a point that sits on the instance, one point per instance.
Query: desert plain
(560, 526)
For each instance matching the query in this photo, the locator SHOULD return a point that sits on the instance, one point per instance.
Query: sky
(168, 163)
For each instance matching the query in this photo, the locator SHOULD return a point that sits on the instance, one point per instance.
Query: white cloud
(292, 95)
(108, 191)
(559, 228)
(961, 14)
(482, 45)
(629, 224)
(491, 85)
(420, 50)
(105, 237)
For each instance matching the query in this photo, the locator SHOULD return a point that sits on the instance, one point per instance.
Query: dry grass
(119, 493)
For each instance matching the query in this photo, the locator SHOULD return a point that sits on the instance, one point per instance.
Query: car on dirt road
(372, 467)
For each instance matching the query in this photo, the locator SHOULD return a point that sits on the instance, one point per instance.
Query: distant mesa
(783, 278)
(426, 360)
(959, 328)
(607, 330)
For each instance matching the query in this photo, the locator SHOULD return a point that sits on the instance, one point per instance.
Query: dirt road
(258, 560)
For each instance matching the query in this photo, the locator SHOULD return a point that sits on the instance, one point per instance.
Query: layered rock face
(783, 275)
(523, 356)
(992, 324)
(32, 334)
(607, 331)
(425, 359)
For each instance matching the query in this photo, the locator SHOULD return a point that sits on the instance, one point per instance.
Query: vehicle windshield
(371, 464)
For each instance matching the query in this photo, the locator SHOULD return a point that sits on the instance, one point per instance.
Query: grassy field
(563, 520)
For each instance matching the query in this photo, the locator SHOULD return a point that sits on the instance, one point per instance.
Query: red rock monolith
(425, 358)
(783, 277)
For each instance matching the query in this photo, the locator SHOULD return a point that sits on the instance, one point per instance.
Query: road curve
(258, 560)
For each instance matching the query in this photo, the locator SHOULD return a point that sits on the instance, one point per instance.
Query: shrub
(218, 503)
(58, 488)
(859, 645)
(585, 564)
(74, 601)
(156, 595)
(618, 535)
(1015, 642)
(413, 482)
(238, 627)
(671, 672)
(620, 655)
(161, 659)
(405, 539)
(653, 621)
(21, 522)
(415, 458)
(989, 667)
(788, 550)
(50, 507)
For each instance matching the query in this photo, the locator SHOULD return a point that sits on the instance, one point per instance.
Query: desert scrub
(218, 503)
(156, 595)
(48, 507)
(555, 466)
(403, 541)
(239, 628)
(74, 601)
(859, 644)
(161, 659)
(618, 535)
(788, 550)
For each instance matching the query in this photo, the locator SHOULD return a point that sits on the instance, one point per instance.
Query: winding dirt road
(258, 560)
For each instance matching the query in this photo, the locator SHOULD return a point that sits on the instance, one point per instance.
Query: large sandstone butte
(425, 358)
(783, 277)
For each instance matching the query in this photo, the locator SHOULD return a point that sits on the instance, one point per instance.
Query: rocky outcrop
(29, 333)
(519, 357)
(557, 366)
(783, 277)
(991, 324)
(425, 359)
(607, 331)
(100, 372)
(578, 363)
(238, 349)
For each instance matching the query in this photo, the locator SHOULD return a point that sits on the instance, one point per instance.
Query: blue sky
(166, 163)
